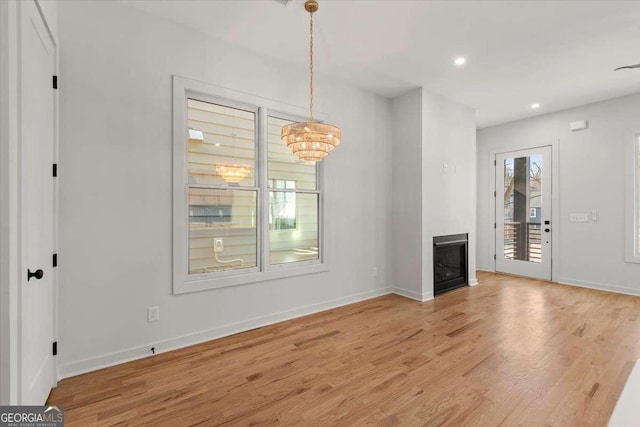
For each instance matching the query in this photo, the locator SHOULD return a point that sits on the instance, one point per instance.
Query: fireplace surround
(450, 262)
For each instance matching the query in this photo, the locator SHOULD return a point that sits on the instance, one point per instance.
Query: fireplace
(450, 269)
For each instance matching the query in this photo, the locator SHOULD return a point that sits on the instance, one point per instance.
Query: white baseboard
(485, 268)
(413, 295)
(473, 282)
(599, 286)
(427, 297)
(139, 352)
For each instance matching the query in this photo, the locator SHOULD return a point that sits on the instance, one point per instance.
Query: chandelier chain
(311, 66)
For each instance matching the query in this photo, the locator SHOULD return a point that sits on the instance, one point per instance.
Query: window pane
(523, 208)
(221, 145)
(282, 210)
(283, 165)
(300, 242)
(222, 230)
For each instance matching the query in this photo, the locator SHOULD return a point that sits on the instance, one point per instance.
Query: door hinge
(495, 194)
(495, 163)
(494, 257)
(55, 260)
(55, 82)
(55, 169)
(55, 348)
(494, 225)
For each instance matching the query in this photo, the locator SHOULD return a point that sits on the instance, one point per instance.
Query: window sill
(632, 259)
(204, 284)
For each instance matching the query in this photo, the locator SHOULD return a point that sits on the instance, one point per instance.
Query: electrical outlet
(218, 245)
(153, 314)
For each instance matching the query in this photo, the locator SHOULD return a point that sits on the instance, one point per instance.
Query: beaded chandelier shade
(311, 141)
(232, 172)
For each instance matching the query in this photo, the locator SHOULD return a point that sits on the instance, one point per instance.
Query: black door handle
(38, 274)
(546, 230)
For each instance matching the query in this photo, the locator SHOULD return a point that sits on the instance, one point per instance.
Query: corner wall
(448, 178)
(591, 176)
(406, 195)
(433, 181)
(448, 181)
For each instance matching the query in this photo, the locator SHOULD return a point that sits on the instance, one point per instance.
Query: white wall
(115, 188)
(591, 177)
(406, 199)
(448, 175)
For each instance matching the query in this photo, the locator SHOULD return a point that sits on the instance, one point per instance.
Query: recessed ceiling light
(460, 61)
(535, 106)
(217, 144)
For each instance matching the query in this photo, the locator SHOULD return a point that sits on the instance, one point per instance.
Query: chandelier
(311, 141)
(232, 172)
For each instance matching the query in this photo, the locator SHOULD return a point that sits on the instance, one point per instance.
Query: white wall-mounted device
(579, 125)
(578, 217)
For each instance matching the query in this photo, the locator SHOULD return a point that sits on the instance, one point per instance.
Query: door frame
(9, 244)
(12, 270)
(555, 201)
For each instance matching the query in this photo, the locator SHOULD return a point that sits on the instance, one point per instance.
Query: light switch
(578, 217)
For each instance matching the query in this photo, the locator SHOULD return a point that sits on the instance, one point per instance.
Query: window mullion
(221, 187)
(320, 192)
(636, 197)
(278, 190)
(263, 171)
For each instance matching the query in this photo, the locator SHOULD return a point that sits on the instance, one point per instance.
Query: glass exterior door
(523, 213)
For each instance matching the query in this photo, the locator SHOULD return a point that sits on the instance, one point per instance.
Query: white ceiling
(557, 53)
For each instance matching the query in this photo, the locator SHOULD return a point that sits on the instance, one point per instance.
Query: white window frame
(632, 202)
(183, 282)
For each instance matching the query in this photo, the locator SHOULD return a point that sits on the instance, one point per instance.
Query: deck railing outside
(523, 241)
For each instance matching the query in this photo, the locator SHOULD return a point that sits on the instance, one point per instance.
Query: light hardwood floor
(509, 352)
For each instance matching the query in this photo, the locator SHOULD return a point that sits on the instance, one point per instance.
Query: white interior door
(37, 293)
(523, 213)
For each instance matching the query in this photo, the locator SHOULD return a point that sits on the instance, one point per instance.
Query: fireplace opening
(450, 269)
